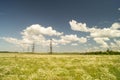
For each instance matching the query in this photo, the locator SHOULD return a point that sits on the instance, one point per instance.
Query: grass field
(59, 67)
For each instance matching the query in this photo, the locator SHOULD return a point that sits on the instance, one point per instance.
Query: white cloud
(74, 44)
(82, 40)
(11, 40)
(102, 42)
(35, 33)
(21, 43)
(97, 34)
(72, 38)
(115, 46)
(118, 9)
(37, 29)
(117, 42)
(78, 26)
(115, 26)
(38, 34)
(105, 32)
(66, 39)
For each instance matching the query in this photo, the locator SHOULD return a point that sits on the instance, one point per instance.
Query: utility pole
(33, 47)
(50, 46)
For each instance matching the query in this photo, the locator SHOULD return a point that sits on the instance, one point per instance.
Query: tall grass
(59, 67)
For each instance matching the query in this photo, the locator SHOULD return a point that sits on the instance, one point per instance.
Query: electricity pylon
(33, 47)
(50, 46)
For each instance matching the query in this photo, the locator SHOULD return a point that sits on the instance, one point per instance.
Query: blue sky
(17, 15)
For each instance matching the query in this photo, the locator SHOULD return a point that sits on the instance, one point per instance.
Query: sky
(73, 25)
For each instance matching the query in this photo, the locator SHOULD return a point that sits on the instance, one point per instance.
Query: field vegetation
(21, 66)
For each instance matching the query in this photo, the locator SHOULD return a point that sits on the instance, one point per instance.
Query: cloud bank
(41, 35)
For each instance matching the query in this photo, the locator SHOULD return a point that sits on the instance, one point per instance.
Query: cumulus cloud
(38, 34)
(37, 29)
(115, 26)
(106, 32)
(21, 43)
(78, 26)
(72, 38)
(66, 39)
(34, 33)
(102, 41)
(82, 40)
(98, 34)
(113, 31)
(11, 40)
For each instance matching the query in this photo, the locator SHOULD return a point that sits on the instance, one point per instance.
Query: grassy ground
(59, 67)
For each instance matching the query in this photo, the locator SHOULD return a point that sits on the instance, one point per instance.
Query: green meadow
(16, 66)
